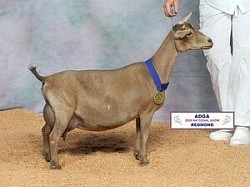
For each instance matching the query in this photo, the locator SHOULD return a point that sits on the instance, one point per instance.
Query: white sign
(199, 120)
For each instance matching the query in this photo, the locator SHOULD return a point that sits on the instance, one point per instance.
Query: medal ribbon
(150, 66)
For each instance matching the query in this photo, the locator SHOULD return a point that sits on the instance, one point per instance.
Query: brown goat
(99, 100)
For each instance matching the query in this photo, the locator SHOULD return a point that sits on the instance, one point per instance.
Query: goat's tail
(32, 68)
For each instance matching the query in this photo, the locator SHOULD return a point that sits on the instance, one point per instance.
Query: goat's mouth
(207, 47)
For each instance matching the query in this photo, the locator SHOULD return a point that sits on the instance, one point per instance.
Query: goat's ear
(185, 19)
(179, 34)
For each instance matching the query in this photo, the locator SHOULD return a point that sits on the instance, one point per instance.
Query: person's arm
(168, 5)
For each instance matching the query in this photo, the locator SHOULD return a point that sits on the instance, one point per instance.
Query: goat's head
(187, 38)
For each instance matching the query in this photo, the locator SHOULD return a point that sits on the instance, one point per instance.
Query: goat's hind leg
(49, 117)
(46, 130)
(62, 117)
(137, 151)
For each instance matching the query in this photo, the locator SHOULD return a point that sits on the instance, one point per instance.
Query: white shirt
(229, 6)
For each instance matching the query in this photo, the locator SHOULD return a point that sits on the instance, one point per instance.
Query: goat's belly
(104, 121)
(95, 127)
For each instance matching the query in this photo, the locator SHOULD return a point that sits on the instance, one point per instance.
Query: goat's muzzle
(209, 44)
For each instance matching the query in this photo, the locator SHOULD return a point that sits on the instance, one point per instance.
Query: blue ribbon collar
(150, 66)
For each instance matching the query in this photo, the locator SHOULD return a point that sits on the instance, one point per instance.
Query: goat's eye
(189, 34)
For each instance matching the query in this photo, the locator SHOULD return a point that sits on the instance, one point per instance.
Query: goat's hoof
(54, 165)
(144, 162)
(46, 156)
(137, 155)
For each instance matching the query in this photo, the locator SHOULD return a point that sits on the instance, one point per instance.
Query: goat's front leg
(46, 130)
(137, 151)
(145, 128)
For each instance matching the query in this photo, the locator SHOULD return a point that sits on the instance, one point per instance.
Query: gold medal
(159, 97)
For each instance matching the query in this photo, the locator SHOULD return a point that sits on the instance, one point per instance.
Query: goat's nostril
(209, 40)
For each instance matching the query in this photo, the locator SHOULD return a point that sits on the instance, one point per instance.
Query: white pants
(228, 61)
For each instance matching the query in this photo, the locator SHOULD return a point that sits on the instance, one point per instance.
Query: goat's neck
(164, 58)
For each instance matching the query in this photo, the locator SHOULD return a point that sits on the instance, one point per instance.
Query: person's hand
(171, 7)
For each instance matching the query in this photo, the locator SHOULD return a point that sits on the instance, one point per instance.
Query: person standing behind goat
(228, 62)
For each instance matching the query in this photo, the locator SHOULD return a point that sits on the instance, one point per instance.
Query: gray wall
(93, 34)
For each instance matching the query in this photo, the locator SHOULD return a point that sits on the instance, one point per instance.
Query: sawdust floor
(177, 158)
